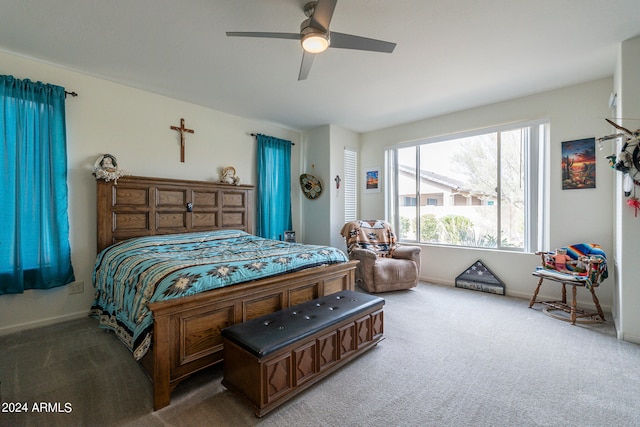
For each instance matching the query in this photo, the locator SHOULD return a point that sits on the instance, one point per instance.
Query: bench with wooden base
(270, 359)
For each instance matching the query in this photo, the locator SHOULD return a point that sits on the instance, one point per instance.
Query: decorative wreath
(311, 186)
(627, 162)
(229, 176)
(106, 168)
(634, 171)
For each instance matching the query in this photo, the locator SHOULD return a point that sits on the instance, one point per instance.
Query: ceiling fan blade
(305, 66)
(292, 36)
(322, 14)
(348, 41)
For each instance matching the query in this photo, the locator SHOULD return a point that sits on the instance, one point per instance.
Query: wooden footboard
(186, 334)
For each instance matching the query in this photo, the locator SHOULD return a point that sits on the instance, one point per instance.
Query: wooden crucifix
(182, 130)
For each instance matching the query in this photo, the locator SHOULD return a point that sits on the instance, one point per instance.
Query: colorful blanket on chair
(578, 252)
(375, 235)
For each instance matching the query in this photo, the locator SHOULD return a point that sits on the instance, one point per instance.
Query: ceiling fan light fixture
(315, 42)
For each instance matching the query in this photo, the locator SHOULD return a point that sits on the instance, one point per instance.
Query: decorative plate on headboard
(311, 186)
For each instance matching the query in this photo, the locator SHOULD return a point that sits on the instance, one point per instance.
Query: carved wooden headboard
(140, 206)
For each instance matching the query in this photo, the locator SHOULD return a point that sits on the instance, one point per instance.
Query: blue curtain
(34, 240)
(274, 187)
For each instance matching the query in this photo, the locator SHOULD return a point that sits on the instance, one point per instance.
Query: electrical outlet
(76, 288)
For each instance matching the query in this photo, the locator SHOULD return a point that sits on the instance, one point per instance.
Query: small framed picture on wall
(579, 164)
(372, 180)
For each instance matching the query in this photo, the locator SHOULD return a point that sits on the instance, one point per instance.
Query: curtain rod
(255, 134)
(70, 93)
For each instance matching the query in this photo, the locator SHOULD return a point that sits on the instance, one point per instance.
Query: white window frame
(536, 181)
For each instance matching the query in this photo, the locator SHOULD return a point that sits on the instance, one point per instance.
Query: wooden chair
(585, 266)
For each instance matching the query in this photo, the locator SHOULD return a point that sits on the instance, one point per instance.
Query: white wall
(134, 126)
(575, 112)
(324, 158)
(316, 213)
(627, 226)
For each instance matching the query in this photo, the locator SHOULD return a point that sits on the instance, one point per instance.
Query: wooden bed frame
(186, 331)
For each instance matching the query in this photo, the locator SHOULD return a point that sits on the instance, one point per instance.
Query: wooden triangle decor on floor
(478, 277)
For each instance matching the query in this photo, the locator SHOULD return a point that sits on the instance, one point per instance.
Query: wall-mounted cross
(182, 130)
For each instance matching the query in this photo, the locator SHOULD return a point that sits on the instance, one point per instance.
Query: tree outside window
(474, 190)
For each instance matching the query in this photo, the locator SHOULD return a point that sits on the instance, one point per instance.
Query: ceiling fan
(315, 36)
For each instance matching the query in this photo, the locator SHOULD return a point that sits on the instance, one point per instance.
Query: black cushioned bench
(270, 359)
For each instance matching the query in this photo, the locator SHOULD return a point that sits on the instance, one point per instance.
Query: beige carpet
(451, 357)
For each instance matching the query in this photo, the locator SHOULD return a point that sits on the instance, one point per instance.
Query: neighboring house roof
(456, 186)
(432, 177)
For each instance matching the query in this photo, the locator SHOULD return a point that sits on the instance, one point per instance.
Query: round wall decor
(106, 168)
(311, 186)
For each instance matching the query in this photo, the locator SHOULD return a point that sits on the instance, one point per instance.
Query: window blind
(350, 184)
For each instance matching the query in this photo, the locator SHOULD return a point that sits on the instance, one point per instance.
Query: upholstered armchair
(384, 266)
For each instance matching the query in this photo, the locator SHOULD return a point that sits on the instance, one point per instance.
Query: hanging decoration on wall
(182, 130)
(106, 168)
(311, 186)
(579, 164)
(228, 176)
(372, 180)
(635, 204)
(337, 180)
(627, 161)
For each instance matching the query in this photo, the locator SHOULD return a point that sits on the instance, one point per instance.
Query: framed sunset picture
(372, 180)
(579, 164)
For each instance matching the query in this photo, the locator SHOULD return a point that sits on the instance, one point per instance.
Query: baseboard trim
(629, 337)
(526, 296)
(42, 322)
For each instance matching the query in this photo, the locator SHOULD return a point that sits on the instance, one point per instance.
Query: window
(478, 189)
(34, 246)
(409, 201)
(350, 184)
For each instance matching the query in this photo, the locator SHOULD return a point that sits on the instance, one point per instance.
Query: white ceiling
(450, 54)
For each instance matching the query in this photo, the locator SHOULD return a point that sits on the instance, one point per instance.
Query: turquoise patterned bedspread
(130, 274)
